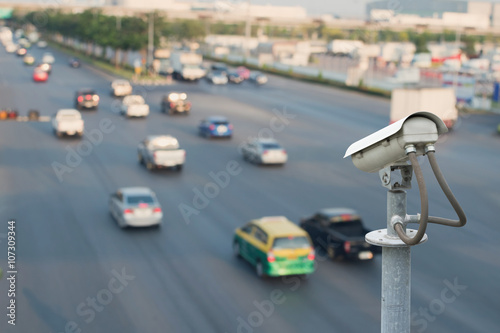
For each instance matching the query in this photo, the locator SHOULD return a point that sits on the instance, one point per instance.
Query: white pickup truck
(161, 151)
(68, 121)
(134, 106)
(121, 88)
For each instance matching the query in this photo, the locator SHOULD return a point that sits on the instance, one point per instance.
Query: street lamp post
(150, 40)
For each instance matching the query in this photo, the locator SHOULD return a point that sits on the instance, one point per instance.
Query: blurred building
(495, 15)
(424, 8)
(238, 10)
(149, 4)
(293, 53)
(443, 13)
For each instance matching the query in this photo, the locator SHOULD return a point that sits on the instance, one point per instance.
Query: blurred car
(40, 75)
(275, 246)
(219, 67)
(136, 207)
(234, 77)
(48, 58)
(175, 102)
(258, 78)
(161, 151)
(8, 114)
(243, 72)
(74, 62)
(11, 48)
(86, 99)
(41, 44)
(217, 77)
(134, 106)
(28, 59)
(264, 151)
(215, 126)
(45, 67)
(121, 88)
(33, 115)
(69, 122)
(25, 43)
(341, 233)
(21, 52)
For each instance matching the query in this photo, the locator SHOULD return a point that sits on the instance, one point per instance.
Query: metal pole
(458, 37)
(247, 31)
(150, 39)
(396, 272)
(396, 254)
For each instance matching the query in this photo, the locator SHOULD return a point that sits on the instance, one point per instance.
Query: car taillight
(284, 151)
(311, 255)
(270, 257)
(157, 210)
(230, 126)
(347, 247)
(87, 97)
(172, 105)
(95, 98)
(80, 98)
(211, 127)
(128, 211)
(143, 205)
(265, 152)
(154, 155)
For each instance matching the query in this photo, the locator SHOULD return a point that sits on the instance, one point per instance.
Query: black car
(86, 99)
(46, 67)
(234, 77)
(21, 52)
(175, 102)
(74, 62)
(219, 66)
(258, 78)
(339, 232)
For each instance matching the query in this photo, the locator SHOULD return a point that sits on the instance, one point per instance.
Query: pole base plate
(380, 238)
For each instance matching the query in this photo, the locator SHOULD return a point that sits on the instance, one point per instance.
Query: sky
(344, 8)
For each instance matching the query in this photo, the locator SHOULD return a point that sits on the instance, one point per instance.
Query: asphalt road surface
(79, 272)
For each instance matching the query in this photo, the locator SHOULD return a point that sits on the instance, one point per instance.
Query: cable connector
(429, 147)
(410, 149)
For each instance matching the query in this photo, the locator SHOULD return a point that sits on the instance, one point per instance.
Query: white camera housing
(388, 146)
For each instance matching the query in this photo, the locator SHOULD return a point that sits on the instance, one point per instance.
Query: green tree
(421, 43)
(403, 36)
(469, 49)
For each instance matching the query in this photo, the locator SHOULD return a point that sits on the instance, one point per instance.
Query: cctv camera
(391, 144)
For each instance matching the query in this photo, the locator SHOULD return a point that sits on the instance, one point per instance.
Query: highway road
(79, 272)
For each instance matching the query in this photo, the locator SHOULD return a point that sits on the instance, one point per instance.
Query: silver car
(135, 207)
(264, 151)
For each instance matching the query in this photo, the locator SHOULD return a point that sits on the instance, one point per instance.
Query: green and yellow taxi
(275, 246)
